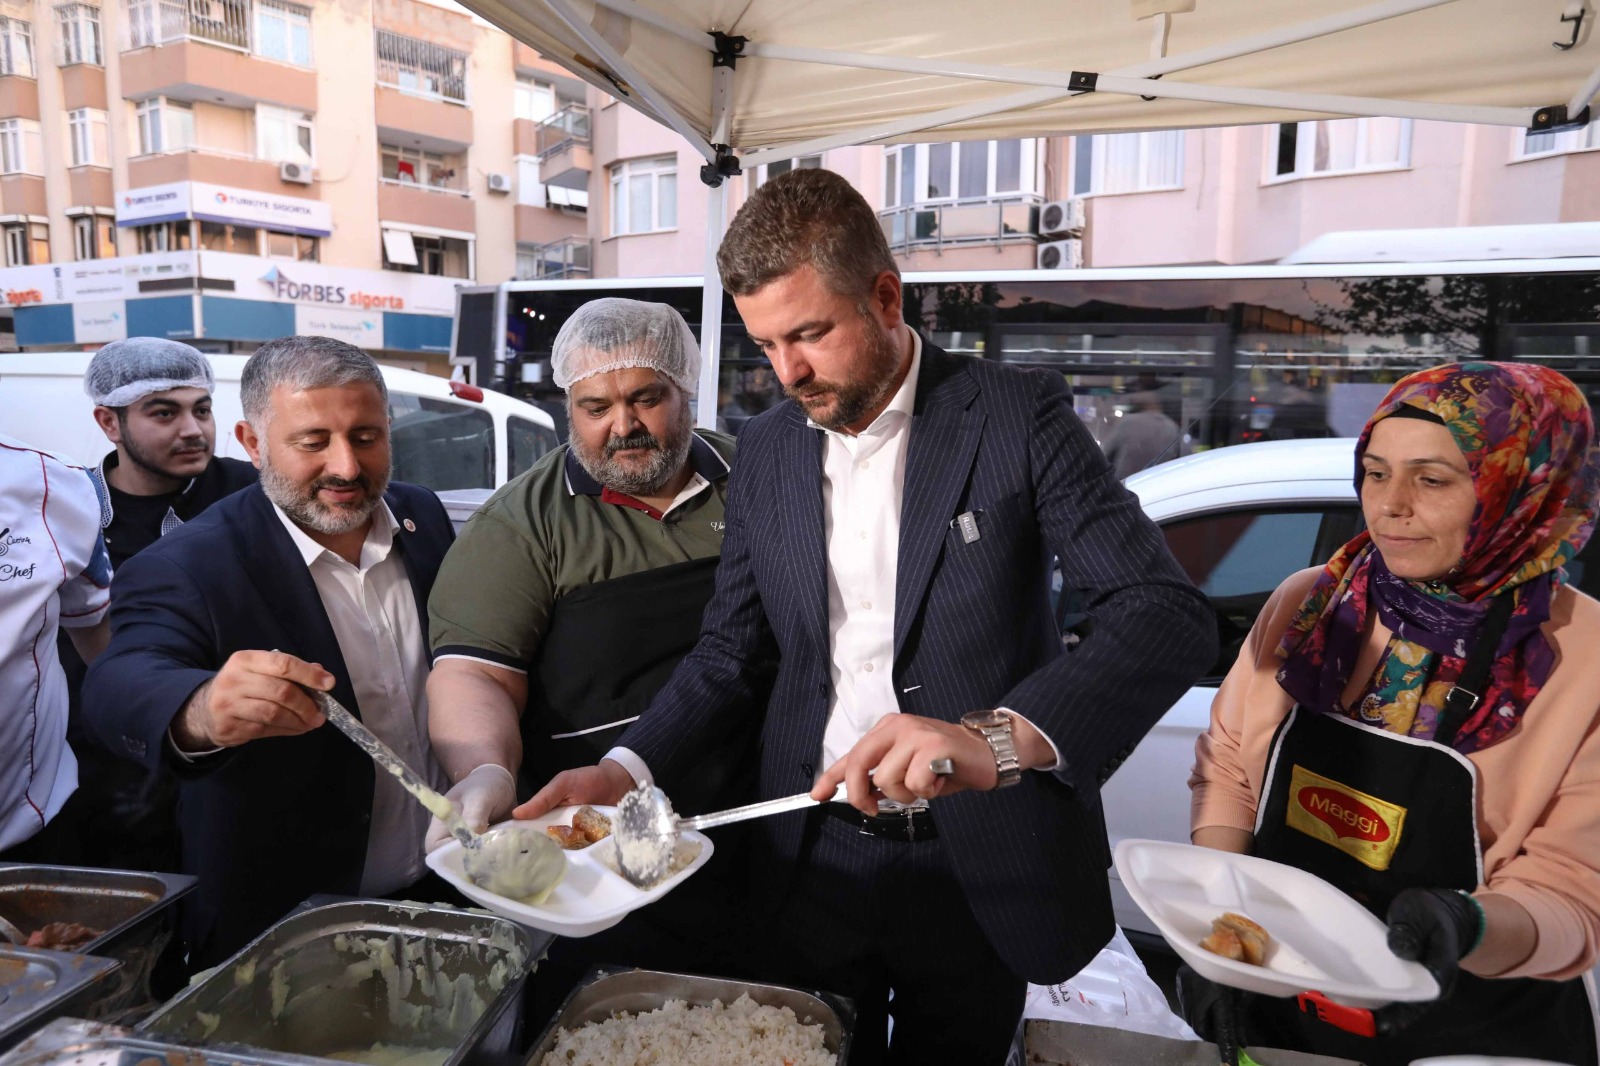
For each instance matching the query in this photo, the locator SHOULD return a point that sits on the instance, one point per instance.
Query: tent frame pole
(722, 73)
(1581, 99)
(629, 74)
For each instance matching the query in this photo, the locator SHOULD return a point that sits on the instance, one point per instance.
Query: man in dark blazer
(317, 578)
(891, 529)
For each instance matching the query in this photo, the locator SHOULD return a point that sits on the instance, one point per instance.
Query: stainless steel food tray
(38, 985)
(608, 990)
(133, 911)
(341, 977)
(75, 1042)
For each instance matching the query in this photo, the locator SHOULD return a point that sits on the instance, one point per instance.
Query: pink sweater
(1539, 791)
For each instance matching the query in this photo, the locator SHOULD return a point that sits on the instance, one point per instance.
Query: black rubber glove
(1436, 927)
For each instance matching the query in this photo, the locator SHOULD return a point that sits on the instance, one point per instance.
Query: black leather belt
(910, 824)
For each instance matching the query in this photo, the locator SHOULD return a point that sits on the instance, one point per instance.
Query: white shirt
(53, 572)
(373, 612)
(863, 481)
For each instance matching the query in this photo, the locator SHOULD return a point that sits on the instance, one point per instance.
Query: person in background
(1438, 675)
(54, 573)
(1144, 437)
(152, 400)
(889, 530)
(316, 579)
(570, 597)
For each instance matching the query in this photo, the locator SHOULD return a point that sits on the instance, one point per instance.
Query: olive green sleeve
(493, 596)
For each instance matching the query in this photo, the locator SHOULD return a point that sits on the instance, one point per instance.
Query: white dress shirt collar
(375, 549)
(901, 405)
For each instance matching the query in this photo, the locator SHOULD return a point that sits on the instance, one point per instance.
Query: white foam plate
(1322, 940)
(590, 898)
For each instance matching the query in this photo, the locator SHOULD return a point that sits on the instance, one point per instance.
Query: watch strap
(1008, 768)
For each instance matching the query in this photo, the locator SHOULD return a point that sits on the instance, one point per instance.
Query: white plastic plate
(590, 898)
(1322, 940)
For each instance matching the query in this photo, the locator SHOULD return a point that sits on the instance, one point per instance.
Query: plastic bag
(1114, 991)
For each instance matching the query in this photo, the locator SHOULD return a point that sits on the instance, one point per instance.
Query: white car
(1239, 520)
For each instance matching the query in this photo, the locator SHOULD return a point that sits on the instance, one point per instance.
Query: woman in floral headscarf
(1418, 722)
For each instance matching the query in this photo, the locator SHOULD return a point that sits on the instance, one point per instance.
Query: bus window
(441, 445)
(527, 442)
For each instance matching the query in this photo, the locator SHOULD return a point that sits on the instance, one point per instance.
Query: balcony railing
(937, 226)
(421, 68)
(568, 126)
(407, 183)
(157, 22)
(566, 258)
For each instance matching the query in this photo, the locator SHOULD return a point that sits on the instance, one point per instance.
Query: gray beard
(307, 510)
(665, 461)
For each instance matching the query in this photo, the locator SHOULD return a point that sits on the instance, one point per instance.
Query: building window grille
(158, 22)
(1337, 146)
(283, 32)
(78, 27)
(644, 195)
(421, 68)
(16, 48)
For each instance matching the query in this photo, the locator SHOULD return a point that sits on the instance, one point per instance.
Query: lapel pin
(411, 527)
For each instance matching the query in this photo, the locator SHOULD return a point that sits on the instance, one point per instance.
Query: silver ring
(942, 767)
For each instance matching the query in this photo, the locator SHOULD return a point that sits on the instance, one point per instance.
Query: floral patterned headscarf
(1528, 438)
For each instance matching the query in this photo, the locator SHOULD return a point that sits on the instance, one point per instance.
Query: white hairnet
(616, 334)
(126, 371)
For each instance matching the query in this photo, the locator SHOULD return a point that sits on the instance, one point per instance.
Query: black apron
(609, 648)
(1374, 813)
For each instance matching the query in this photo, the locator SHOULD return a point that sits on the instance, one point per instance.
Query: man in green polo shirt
(567, 601)
(570, 596)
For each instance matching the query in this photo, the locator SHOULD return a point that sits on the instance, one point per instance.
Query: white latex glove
(484, 797)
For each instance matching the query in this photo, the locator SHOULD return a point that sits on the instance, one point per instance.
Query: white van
(448, 436)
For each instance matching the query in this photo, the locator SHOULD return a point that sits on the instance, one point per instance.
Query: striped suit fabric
(973, 630)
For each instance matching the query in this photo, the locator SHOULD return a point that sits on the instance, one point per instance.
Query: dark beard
(151, 463)
(862, 392)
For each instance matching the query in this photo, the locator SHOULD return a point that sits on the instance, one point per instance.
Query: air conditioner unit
(298, 173)
(1060, 255)
(1061, 216)
(499, 182)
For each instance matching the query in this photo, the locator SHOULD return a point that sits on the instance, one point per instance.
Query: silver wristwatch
(996, 729)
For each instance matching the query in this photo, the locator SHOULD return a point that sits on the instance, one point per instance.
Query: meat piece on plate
(569, 837)
(594, 825)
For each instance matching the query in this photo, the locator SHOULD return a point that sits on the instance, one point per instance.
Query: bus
(1231, 354)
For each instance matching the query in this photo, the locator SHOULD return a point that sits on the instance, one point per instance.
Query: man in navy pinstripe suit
(890, 530)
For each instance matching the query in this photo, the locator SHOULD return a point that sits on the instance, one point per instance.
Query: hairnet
(126, 371)
(615, 334)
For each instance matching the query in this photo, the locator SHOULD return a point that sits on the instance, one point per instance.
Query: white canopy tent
(752, 81)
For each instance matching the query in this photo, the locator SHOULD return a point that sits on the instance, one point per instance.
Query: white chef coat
(373, 612)
(54, 571)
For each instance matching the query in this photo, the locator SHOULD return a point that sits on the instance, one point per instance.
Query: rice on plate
(743, 1033)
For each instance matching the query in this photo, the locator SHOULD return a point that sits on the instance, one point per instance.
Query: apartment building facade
(229, 171)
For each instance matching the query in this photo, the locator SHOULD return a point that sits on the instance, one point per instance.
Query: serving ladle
(647, 830)
(496, 860)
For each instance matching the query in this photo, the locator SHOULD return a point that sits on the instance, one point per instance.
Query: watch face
(985, 719)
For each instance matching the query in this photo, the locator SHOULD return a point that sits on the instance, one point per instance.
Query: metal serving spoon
(647, 829)
(11, 933)
(497, 860)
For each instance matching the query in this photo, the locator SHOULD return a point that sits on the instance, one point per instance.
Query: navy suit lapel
(944, 442)
(422, 566)
(282, 578)
(799, 495)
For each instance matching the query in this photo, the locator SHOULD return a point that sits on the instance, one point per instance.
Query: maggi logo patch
(1360, 825)
(1348, 816)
